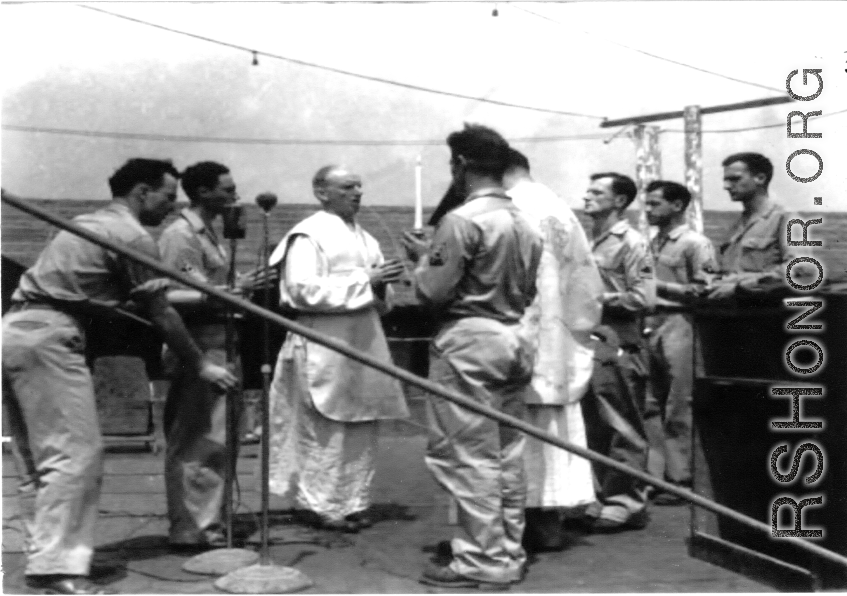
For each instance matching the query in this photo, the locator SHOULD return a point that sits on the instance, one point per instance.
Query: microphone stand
(265, 558)
(224, 560)
(230, 412)
(264, 577)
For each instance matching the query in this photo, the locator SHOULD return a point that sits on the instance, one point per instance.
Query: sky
(73, 67)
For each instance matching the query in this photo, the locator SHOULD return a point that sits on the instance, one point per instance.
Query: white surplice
(325, 406)
(558, 323)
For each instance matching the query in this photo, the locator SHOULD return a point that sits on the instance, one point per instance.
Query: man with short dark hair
(478, 275)
(756, 251)
(614, 407)
(195, 414)
(49, 394)
(558, 325)
(683, 259)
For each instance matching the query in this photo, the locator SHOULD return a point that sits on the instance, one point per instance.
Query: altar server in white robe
(325, 407)
(558, 324)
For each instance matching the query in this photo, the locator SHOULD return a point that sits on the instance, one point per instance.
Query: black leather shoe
(668, 500)
(360, 519)
(543, 531)
(336, 525)
(211, 540)
(443, 553)
(663, 498)
(63, 584)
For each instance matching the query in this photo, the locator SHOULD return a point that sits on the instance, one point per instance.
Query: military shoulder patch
(438, 256)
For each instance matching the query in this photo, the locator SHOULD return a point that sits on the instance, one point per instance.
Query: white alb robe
(558, 323)
(324, 406)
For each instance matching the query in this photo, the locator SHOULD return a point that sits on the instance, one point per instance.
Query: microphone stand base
(263, 579)
(220, 561)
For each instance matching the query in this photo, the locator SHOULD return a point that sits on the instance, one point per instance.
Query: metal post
(229, 410)
(648, 167)
(694, 165)
(265, 557)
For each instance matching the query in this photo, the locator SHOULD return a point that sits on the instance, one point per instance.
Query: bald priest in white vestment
(325, 407)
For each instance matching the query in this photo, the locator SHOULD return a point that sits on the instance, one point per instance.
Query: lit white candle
(418, 200)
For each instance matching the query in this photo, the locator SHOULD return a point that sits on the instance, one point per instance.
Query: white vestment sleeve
(311, 287)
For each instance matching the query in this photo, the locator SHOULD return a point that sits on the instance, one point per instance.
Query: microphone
(234, 228)
(266, 201)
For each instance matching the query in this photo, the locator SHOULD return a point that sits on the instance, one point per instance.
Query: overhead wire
(333, 69)
(258, 141)
(650, 54)
(351, 142)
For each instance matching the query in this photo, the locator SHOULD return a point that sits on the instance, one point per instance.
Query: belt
(47, 306)
(32, 305)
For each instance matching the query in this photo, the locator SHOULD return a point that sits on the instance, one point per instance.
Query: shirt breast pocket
(671, 261)
(605, 262)
(759, 254)
(673, 265)
(213, 259)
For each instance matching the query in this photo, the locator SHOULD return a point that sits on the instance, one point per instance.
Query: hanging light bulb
(255, 58)
(495, 12)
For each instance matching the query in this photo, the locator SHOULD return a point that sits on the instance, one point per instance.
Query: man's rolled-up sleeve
(143, 282)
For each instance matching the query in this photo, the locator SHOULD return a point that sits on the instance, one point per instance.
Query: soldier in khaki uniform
(756, 251)
(479, 276)
(614, 406)
(683, 260)
(49, 393)
(195, 414)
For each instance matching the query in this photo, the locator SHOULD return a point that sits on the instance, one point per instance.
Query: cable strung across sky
(256, 53)
(656, 56)
(249, 141)
(347, 142)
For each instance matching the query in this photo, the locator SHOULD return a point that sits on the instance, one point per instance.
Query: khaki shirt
(683, 256)
(190, 247)
(482, 262)
(759, 245)
(625, 264)
(73, 271)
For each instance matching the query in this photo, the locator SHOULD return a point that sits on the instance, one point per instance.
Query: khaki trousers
(614, 423)
(478, 460)
(667, 416)
(52, 414)
(196, 456)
